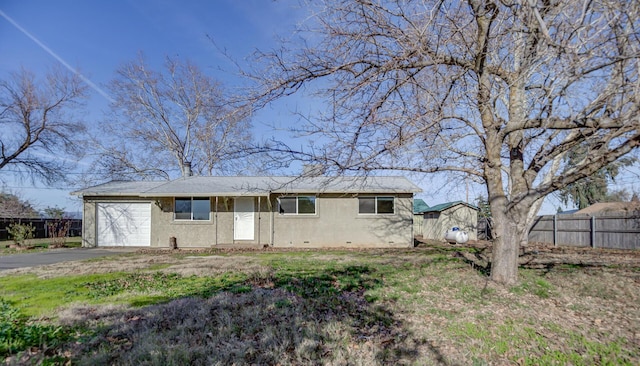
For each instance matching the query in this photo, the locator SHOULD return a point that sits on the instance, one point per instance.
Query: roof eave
(204, 194)
(106, 194)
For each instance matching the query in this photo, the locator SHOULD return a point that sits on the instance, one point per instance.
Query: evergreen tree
(483, 205)
(594, 188)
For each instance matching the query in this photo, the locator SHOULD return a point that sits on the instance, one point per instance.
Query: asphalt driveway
(56, 256)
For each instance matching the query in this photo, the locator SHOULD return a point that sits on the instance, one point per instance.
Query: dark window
(384, 205)
(367, 205)
(306, 205)
(198, 208)
(201, 208)
(299, 205)
(287, 205)
(376, 205)
(183, 209)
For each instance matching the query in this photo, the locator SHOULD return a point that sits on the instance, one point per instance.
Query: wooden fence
(616, 232)
(41, 227)
(418, 220)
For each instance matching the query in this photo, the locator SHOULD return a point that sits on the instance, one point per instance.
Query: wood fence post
(593, 231)
(555, 230)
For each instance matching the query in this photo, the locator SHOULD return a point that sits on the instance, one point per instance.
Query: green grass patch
(37, 296)
(37, 247)
(73, 244)
(18, 333)
(158, 266)
(531, 282)
(475, 330)
(544, 344)
(162, 286)
(577, 350)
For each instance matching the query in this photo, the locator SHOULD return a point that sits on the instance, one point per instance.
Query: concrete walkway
(56, 256)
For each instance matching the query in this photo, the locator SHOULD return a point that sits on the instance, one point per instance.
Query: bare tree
(13, 206)
(499, 90)
(161, 121)
(39, 136)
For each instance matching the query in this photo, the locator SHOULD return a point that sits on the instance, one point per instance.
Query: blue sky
(95, 37)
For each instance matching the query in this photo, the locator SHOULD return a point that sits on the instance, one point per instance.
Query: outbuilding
(439, 218)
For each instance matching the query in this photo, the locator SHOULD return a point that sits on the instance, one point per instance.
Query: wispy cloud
(55, 55)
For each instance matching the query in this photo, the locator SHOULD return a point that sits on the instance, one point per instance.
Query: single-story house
(440, 218)
(275, 211)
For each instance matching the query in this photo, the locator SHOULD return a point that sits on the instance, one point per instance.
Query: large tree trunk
(506, 243)
(510, 233)
(507, 224)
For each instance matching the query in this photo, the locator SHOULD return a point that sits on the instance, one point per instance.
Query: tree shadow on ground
(477, 259)
(286, 317)
(549, 259)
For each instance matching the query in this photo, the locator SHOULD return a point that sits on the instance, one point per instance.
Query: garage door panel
(124, 224)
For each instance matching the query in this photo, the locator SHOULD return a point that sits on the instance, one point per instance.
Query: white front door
(243, 225)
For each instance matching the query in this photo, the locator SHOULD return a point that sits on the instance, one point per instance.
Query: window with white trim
(379, 205)
(297, 205)
(192, 208)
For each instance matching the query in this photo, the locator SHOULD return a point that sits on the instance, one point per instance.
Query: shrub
(58, 227)
(58, 230)
(21, 232)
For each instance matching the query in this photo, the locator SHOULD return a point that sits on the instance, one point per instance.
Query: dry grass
(264, 326)
(163, 260)
(421, 306)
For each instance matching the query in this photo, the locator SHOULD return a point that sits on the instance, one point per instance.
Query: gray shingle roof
(119, 188)
(253, 186)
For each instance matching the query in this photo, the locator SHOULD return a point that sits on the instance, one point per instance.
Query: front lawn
(417, 306)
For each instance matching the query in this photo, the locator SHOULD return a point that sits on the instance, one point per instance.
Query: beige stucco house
(440, 218)
(262, 211)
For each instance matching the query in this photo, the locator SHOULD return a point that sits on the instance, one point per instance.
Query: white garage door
(124, 224)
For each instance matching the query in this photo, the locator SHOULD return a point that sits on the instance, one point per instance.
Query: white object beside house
(455, 235)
